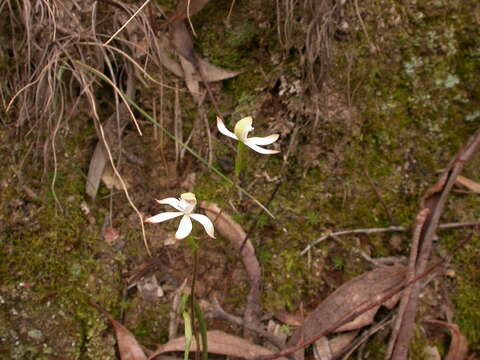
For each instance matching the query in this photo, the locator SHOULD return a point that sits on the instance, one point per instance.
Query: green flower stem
(203, 330)
(240, 160)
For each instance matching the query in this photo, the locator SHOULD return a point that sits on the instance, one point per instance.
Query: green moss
(414, 97)
(467, 295)
(417, 97)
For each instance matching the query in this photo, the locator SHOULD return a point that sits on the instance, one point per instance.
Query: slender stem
(203, 330)
(239, 160)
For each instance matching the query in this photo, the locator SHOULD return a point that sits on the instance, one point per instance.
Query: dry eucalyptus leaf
(193, 84)
(340, 342)
(325, 349)
(364, 289)
(128, 347)
(220, 343)
(182, 42)
(469, 184)
(95, 171)
(363, 320)
(367, 317)
(211, 72)
(321, 349)
(214, 73)
(165, 55)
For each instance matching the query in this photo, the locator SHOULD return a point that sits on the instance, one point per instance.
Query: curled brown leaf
(459, 345)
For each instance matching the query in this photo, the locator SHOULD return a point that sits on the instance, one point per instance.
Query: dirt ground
(371, 101)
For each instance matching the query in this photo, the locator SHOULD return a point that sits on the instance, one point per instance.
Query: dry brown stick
(385, 230)
(373, 48)
(434, 200)
(220, 312)
(417, 231)
(364, 307)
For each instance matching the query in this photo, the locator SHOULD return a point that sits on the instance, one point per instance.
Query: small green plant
(338, 263)
(185, 206)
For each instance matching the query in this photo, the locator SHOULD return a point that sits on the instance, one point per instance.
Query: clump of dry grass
(63, 51)
(309, 27)
(61, 45)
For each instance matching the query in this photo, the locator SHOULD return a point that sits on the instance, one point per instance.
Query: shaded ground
(402, 97)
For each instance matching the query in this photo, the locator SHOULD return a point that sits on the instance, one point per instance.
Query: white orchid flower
(185, 205)
(240, 133)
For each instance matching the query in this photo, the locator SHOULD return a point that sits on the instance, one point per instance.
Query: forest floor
(399, 96)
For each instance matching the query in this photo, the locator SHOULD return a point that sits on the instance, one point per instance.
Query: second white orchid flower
(185, 206)
(240, 133)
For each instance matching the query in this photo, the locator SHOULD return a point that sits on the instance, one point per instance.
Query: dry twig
(383, 230)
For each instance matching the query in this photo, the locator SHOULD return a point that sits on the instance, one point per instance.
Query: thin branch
(218, 311)
(435, 200)
(373, 48)
(417, 231)
(384, 230)
(127, 22)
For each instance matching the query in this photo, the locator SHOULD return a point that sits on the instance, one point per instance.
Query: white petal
(242, 128)
(172, 202)
(206, 223)
(260, 149)
(267, 140)
(221, 127)
(184, 228)
(163, 217)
